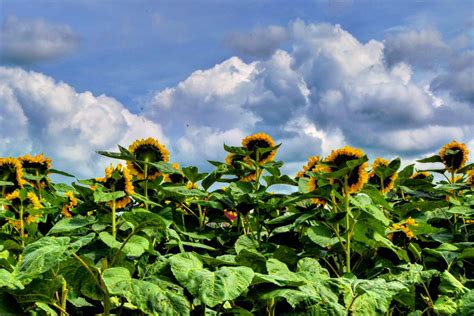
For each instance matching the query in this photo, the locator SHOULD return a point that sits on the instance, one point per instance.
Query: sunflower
(71, 202)
(31, 199)
(11, 171)
(470, 177)
(358, 176)
(37, 166)
(421, 175)
(260, 140)
(118, 179)
(312, 161)
(456, 158)
(389, 182)
(250, 177)
(175, 177)
(312, 186)
(147, 150)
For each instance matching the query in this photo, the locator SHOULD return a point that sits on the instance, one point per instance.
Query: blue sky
(392, 77)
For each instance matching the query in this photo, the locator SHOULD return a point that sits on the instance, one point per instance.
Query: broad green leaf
(182, 265)
(279, 272)
(450, 285)
(244, 242)
(141, 219)
(9, 281)
(135, 246)
(322, 236)
(70, 224)
(468, 303)
(100, 196)
(445, 305)
(216, 287)
(311, 269)
(42, 255)
(149, 297)
(184, 191)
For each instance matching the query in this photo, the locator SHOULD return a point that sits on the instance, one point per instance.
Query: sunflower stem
(64, 293)
(348, 229)
(22, 225)
(114, 228)
(146, 183)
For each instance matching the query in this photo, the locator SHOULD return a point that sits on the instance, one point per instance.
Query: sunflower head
(70, 203)
(118, 179)
(312, 161)
(358, 176)
(422, 175)
(470, 178)
(35, 165)
(175, 177)
(31, 201)
(312, 186)
(144, 151)
(454, 155)
(388, 182)
(260, 140)
(11, 171)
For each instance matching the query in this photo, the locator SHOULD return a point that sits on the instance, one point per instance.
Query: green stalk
(114, 228)
(348, 238)
(146, 183)
(64, 298)
(22, 225)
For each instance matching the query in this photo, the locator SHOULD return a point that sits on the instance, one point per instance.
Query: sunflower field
(148, 237)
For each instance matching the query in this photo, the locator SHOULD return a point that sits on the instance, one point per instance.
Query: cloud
(458, 79)
(25, 42)
(424, 48)
(38, 114)
(260, 42)
(327, 91)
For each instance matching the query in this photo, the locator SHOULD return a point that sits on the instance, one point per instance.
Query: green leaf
(70, 224)
(434, 158)
(165, 167)
(100, 196)
(140, 219)
(149, 297)
(9, 281)
(193, 174)
(450, 285)
(279, 272)
(245, 242)
(445, 305)
(6, 183)
(135, 246)
(322, 236)
(42, 255)
(212, 288)
(225, 284)
(468, 303)
(62, 173)
(184, 191)
(311, 269)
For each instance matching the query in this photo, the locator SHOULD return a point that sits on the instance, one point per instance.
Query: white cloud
(41, 115)
(424, 48)
(328, 90)
(23, 42)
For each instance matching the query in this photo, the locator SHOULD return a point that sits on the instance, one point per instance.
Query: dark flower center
(254, 145)
(148, 153)
(354, 174)
(454, 161)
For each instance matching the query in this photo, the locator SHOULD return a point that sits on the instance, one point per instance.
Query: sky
(394, 77)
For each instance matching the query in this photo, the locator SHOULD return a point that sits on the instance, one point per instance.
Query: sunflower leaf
(62, 173)
(165, 167)
(6, 183)
(434, 158)
(100, 196)
(115, 155)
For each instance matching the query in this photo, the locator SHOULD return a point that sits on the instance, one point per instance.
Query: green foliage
(185, 242)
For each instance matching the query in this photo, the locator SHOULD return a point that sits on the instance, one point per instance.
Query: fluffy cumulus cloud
(25, 42)
(38, 114)
(329, 89)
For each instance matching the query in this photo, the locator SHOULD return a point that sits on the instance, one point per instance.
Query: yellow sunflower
(312, 161)
(11, 171)
(357, 177)
(389, 182)
(118, 179)
(31, 199)
(71, 202)
(250, 177)
(37, 166)
(260, 140)
(421, 175)
(454, 161)
(470, 177)
(147, 150)
(312, 186)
